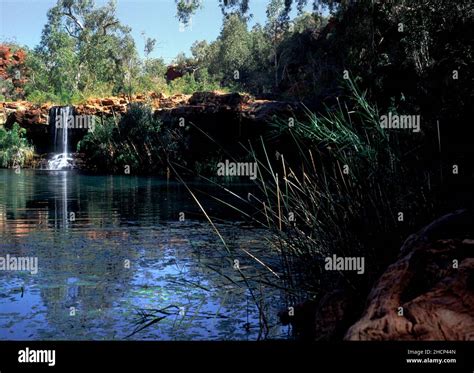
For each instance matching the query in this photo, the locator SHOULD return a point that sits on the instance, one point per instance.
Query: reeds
(344, 190)
(352, 189)
(340, 190)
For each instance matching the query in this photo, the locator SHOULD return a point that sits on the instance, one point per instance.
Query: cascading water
(59, 119)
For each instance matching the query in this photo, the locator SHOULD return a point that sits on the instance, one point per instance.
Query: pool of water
(115, 253)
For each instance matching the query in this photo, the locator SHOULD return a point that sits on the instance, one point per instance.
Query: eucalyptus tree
(186, 8)
(85, 45)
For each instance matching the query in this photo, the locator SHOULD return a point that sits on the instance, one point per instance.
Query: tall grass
(341, 188)
(357, 191)
(346, 187)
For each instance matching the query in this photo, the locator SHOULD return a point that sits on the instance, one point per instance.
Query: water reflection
(109, 245)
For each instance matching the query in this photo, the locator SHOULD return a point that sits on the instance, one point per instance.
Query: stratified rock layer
(233, 114)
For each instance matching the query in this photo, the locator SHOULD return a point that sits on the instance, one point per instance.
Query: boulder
(428, 293)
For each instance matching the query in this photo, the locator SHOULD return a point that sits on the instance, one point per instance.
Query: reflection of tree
(81, 262)
(33, 199)
(16, 190)
(216, 292)
(89, 275)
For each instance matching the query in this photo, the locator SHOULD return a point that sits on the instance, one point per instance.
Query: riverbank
(194, 129)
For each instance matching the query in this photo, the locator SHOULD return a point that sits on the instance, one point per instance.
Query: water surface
(111, 249)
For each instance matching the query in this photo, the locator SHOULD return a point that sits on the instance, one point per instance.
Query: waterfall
(59, 119)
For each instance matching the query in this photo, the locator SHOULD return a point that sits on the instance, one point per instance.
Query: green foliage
(99, 145)
(186, 8)
(85, 51)
(151, 77)
(82, 46)
(200, 50)
(7, 89)
(39, 87)
(14, 148)
(261, 56)
(190, 83)
(235, 46)
(343, 184)
(40, 97)
(134, 141)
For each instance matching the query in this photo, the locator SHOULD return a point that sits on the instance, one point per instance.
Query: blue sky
(22, 21)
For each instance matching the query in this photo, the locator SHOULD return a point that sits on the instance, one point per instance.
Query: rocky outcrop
(432, 281)
(178, 70)
(24, 112)
(233, 114)
(12, 71)
(428, 293)
(33, 118)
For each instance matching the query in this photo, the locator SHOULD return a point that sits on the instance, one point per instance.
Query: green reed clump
(343, 185)
(351, 188)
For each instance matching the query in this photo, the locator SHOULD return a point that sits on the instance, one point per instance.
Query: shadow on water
(112, 251)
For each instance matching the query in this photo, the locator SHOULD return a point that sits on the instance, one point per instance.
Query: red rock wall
(13, 69)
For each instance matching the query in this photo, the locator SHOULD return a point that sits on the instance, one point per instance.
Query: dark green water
(110, 246)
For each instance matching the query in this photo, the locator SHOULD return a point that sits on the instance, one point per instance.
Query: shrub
(40, 97)
(14, 148)
(131, 141)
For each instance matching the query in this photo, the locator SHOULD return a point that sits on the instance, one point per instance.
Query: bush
(39, 97)
(188, 84)
(14, 148)
(132, 141)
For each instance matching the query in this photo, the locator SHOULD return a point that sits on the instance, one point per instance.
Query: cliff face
(12, 71)
(228, 114)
